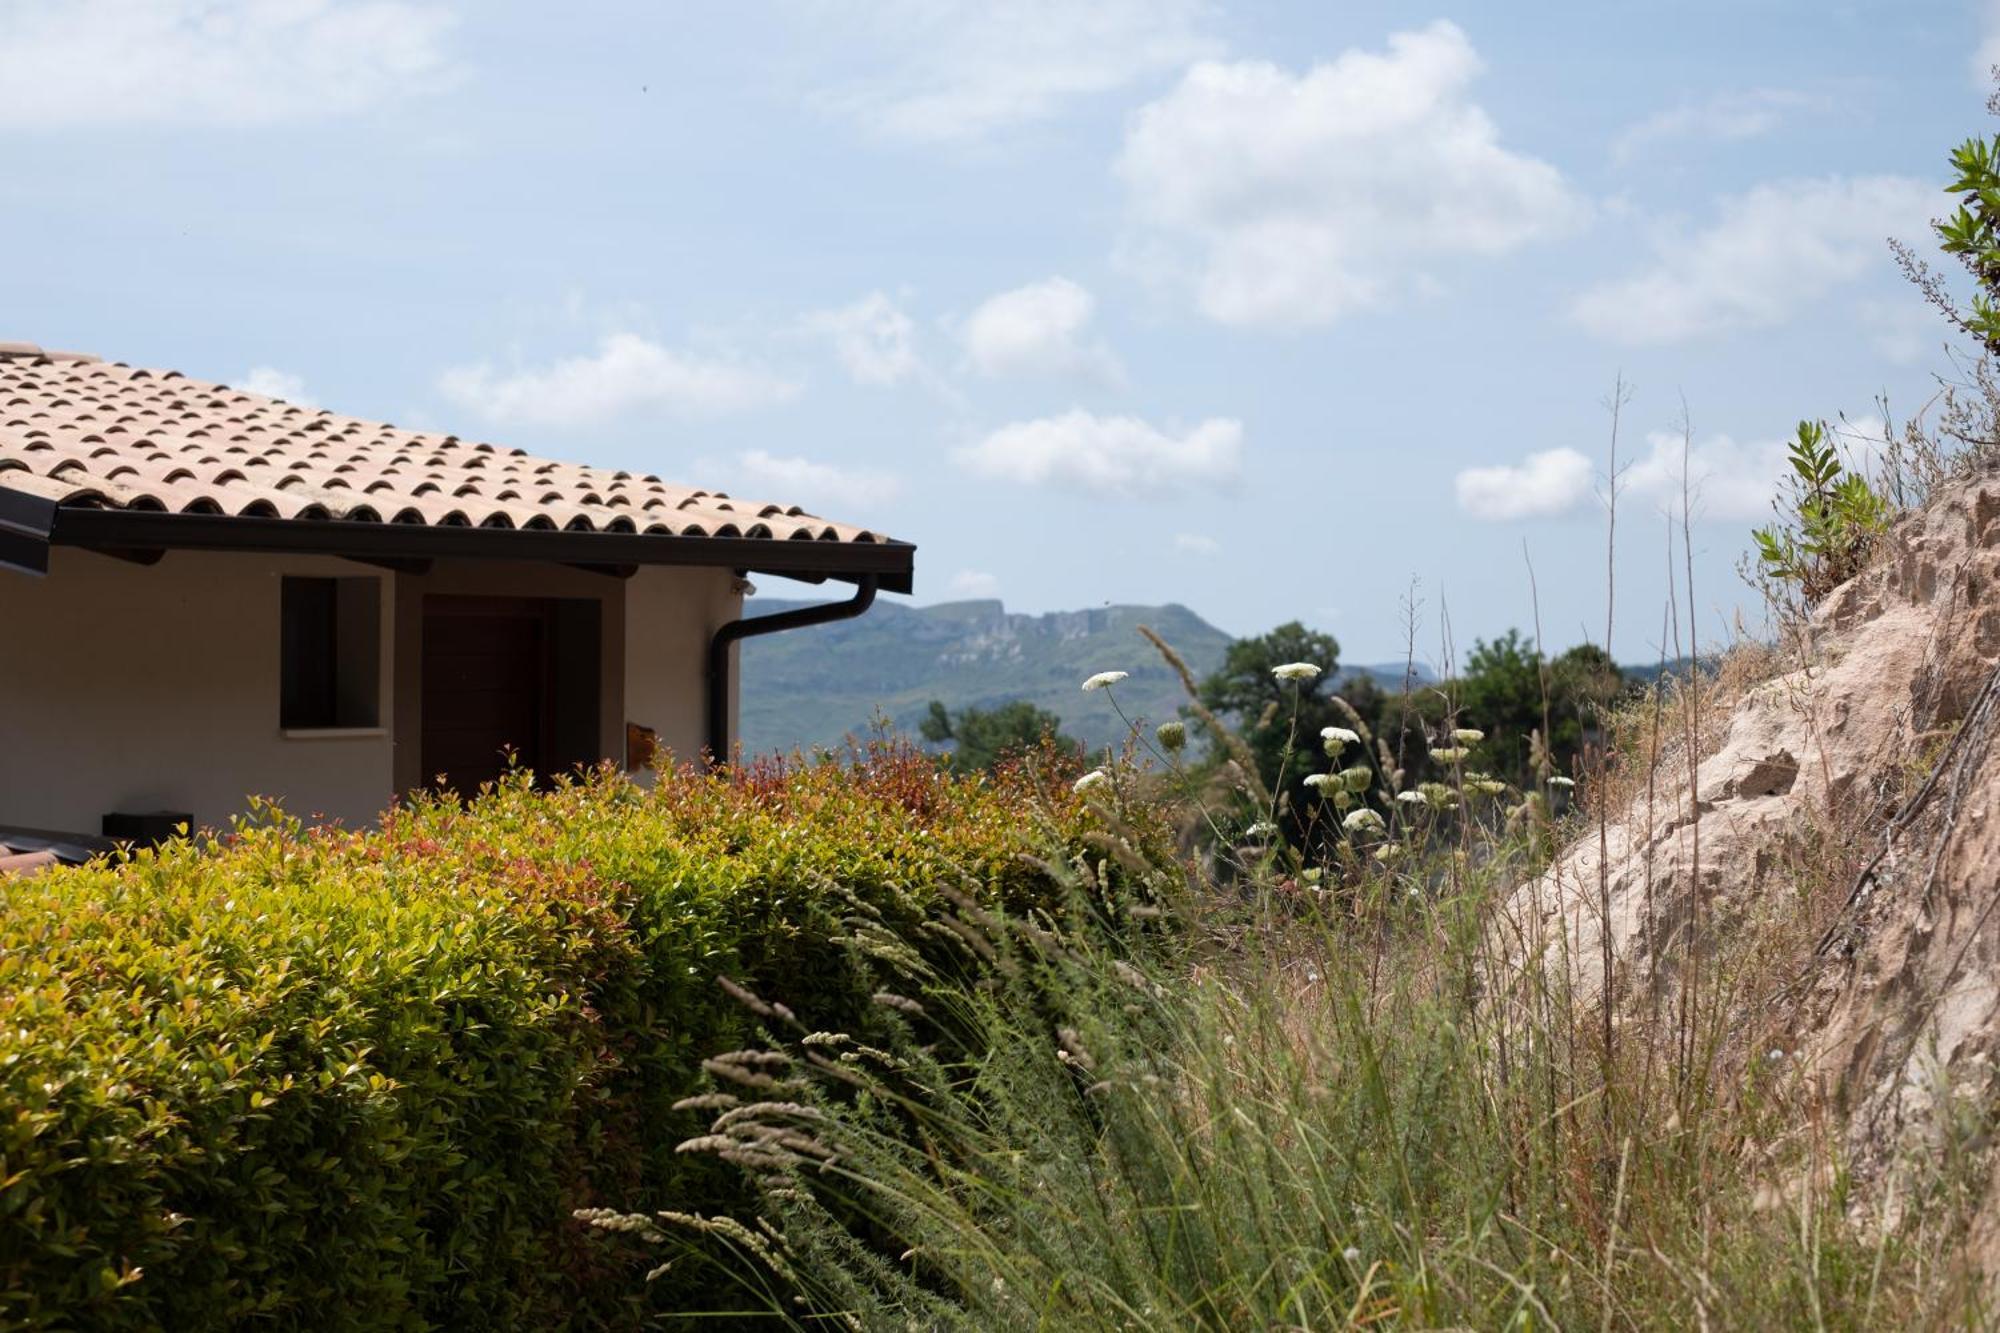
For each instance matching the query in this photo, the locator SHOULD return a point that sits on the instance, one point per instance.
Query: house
(207, 594)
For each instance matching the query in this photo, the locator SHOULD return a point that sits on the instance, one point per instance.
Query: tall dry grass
(1373, 1101)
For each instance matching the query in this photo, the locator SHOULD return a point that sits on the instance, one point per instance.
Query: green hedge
(331, 1079)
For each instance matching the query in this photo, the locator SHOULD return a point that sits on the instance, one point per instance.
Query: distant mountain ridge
(818, 685)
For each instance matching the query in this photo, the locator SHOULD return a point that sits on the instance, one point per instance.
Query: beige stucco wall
(136, 688)
(670, 615)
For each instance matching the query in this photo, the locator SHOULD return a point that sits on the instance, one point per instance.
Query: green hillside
(814, 686)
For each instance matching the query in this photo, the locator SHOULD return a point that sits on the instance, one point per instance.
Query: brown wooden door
(487, 688)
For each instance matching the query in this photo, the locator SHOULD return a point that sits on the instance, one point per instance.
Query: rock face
(1841, 849)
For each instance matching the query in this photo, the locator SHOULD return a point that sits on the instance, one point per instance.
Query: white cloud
(954, 70)
(1769, 252)
(120, 63)
(1293, 199)
(974, 583)
(1038, 330)
(1725, 116)
(627, 374)
(811, 485)
(1193, 543)
(1727, 480)
(1543, 485)
(1109, 455)
(274, 383)
(872, 338)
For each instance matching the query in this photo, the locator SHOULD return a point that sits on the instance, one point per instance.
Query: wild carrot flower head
(1437, 795)
(1295, 671)
(1363, 821)
(1560, 781)
(1092, 780)
(1324, 783)
(1410, 797)
(1103, 679)
(1358, 778)
(1448, 754)
(1171, 736)
(1263, 828)
(1468, 735)
(1336, 739)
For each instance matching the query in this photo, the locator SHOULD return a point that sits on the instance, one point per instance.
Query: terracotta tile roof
(24, 863)
(25, 851)
(83, 432)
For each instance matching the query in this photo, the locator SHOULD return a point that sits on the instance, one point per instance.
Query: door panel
(486, 686)
(517, 674)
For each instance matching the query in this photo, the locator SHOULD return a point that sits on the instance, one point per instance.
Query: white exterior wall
(155, 687)
(670, 614)
(135, 688)
(129, 687)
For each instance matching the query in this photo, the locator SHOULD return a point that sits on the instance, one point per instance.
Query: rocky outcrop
(1834, 831)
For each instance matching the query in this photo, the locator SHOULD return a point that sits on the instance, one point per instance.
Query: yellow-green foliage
(334, 1079)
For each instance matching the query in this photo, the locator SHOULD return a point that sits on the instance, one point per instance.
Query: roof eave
(891, 563)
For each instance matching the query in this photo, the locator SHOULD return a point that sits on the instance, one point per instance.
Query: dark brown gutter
(752, 626)
(25, 523)
(29, 525)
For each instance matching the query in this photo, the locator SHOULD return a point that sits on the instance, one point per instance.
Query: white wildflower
(1324, 783)
(1438, 795)
(1363, 821)
(1172, 736)
(1295, 671)
(1336, 739)
(1468, 735)
(1410, 797)
(1103, 679)
(1388, 852)
(1448, 754)
(1263, 828)
(1560, 781)
(1092, 780)
(1351, 1254)
(1358, 778)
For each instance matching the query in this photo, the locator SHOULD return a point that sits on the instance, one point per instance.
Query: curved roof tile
(100, 434)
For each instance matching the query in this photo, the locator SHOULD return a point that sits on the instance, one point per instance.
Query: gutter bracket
(735, 631)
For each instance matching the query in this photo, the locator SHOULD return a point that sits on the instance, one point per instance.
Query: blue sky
(1266, 308)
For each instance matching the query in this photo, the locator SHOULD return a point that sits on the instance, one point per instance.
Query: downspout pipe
(752, 626)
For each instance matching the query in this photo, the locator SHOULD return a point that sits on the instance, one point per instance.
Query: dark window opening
(331, 653)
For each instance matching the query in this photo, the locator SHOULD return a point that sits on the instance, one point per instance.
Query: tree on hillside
(1500, 692)
(981, 738)
(1244, 693)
